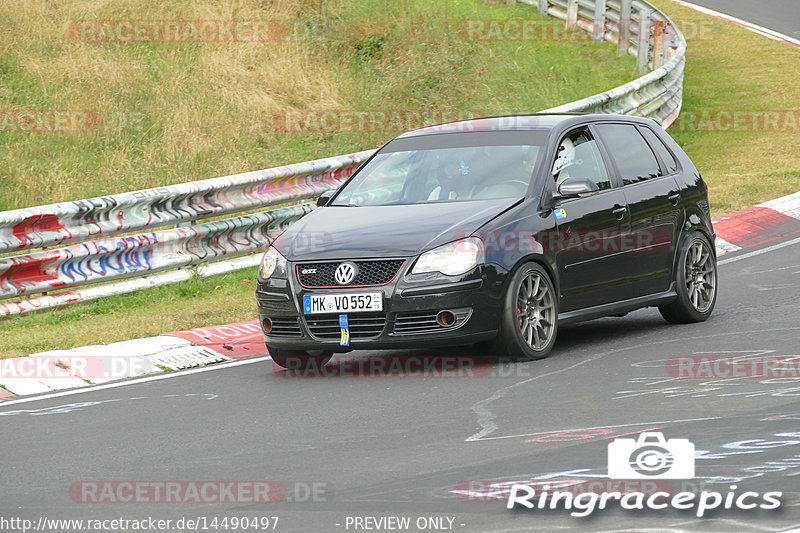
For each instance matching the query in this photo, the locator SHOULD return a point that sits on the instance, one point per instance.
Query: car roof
(534, 121)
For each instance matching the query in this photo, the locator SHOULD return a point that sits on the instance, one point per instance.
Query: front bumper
(408, 320)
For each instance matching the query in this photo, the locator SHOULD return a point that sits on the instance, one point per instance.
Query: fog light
(267, 323)
(446, 318)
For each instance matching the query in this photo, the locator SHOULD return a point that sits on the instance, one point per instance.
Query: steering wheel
(513, 186)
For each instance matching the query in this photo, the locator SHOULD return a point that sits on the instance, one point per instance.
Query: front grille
(416, 322)
(285, 327)
(362, 326)
(370, 273)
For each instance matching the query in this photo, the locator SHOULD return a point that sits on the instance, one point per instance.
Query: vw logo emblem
(345, 273)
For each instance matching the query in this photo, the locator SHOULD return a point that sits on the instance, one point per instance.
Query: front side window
(448, 167)
(579, 157)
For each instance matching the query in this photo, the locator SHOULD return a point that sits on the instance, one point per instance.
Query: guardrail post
(572, 13)
(543, 6)
(669, 41)
(643, 54)
(658, 43)
(624, 27)
(599, 21)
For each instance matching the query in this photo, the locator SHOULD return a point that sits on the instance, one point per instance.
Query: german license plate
(342, 303)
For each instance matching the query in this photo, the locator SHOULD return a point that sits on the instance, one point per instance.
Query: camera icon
(651, 457)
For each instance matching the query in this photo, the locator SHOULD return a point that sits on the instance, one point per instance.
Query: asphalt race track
(777, 15)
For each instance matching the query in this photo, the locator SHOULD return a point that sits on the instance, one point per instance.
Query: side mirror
(576, 187)
(323, 198)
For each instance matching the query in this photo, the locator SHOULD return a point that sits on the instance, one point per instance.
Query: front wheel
(695, 281)
(297, 359)
(530, 316)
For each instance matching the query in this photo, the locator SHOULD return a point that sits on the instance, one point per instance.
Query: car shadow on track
(574, 341)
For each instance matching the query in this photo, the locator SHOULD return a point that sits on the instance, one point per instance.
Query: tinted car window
(661, 150)
(635, 160)
(579, 157)
(446, 168)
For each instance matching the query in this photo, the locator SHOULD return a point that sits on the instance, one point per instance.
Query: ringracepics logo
(650, 457)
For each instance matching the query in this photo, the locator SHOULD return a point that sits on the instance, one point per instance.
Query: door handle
(619, 212)
(674, 197)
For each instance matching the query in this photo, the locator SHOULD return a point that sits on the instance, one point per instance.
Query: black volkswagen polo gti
(498, 230)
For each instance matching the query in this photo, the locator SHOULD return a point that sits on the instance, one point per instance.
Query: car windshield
(447, 167)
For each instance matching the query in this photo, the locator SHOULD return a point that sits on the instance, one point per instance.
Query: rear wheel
(695, 281)
(530, 317)
(297, 359)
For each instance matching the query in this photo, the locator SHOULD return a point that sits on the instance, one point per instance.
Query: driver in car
(454, 183)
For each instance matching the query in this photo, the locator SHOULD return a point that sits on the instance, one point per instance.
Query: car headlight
(273, 263)
(451, 259)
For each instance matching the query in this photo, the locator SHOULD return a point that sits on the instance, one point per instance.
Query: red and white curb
(57, 370)
(755, 28)
(759, 224)
(94, 365)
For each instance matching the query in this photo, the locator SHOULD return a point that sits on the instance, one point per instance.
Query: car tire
(695, 281)
(298, 360)
(529, 323)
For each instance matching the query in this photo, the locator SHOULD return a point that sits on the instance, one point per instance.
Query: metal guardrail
(639, 29)
(95, 240)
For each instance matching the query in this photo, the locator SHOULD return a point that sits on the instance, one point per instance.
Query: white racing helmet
(564, 150)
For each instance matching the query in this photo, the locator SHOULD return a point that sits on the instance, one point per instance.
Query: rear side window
(662, 151)
(635, 160)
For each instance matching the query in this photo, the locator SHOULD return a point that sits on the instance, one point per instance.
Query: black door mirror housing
(322, 199)
(575, 188)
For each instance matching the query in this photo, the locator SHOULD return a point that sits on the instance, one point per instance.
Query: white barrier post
(572, 13)
(658, 43)
(543, 6)
(643, 55)
(599, 20)
(624, 28)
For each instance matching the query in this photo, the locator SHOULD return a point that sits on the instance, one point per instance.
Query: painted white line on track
(749, 25)
(147, 379)
(759, 252)
(602, 427)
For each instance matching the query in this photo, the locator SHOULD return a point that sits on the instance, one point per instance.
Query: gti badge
(345, 273)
